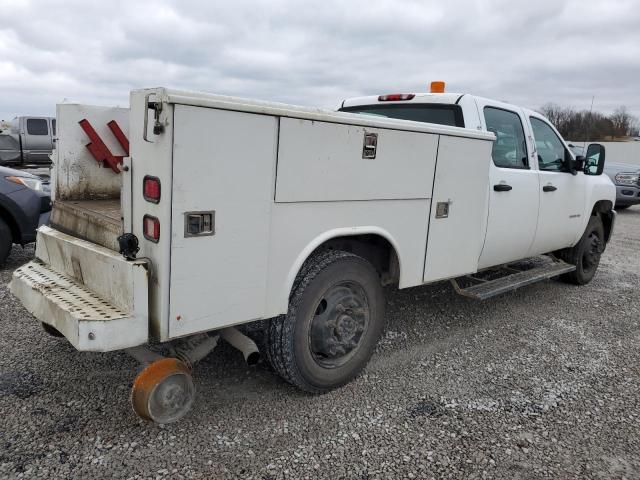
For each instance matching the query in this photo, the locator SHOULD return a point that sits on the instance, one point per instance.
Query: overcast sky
(317, 53)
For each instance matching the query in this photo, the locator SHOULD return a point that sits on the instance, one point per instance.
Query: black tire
(585, 255)
(622, 207)
(6, 241)
(320, 344)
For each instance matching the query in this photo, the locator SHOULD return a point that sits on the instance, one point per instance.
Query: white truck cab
(215, 212)
(538, 202)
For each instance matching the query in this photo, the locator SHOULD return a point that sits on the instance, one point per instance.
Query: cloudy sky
(317, 53)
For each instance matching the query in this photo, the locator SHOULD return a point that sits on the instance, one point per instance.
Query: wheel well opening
(11, 223)
(604, 209)
(374, 248)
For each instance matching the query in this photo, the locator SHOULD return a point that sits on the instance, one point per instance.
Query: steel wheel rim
(339, 322)
(591, 255)
(171, 399)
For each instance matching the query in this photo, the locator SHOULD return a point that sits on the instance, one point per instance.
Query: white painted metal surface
(223, 161)
(208, 100)
(297, 229)
(153, 157)
(321, 161)
(76, 175)
(455, 241)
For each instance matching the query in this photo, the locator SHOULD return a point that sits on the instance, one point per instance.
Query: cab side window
(510, 148)
(550, 149)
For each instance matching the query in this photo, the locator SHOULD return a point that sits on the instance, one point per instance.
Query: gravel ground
(543, 382)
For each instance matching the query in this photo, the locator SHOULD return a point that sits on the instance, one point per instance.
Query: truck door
(36, 140)
(513, 187)
(562, 195)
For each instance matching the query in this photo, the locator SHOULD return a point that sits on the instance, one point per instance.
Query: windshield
(417, 112)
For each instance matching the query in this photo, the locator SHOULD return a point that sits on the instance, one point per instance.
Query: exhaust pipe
(243, 343)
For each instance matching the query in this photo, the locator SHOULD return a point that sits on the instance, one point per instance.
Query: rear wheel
(586, 254)
(6, 241)
(334, 320)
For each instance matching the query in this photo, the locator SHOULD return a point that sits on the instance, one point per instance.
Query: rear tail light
(396, 97)
(151, 189)
(151, 228)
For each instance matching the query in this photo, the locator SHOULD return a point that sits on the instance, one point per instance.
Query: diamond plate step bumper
(111, 315)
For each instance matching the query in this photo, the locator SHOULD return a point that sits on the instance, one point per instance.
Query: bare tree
(623, 122)
(586, 125)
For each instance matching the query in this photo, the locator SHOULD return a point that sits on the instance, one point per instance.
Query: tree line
(584, 125)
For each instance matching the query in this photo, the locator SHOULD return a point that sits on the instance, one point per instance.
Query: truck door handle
(502, 187)
(549, 188)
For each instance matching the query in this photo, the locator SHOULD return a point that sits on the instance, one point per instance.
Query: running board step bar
(496, 281)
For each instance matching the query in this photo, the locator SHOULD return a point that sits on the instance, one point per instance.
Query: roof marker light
(395, 97)
(437, 86)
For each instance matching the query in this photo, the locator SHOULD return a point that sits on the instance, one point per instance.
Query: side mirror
(594, 163)
(568, 164)
(578, 163)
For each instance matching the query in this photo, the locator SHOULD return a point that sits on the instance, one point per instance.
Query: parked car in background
(626, 178)
(25, 204)
(27, 141)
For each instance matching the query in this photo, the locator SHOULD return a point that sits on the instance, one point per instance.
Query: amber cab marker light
(437, 86)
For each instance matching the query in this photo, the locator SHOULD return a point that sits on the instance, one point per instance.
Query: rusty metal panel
(97, 221)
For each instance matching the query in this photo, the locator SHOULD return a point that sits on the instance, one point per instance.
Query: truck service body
(245, 210)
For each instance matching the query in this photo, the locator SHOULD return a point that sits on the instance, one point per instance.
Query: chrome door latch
(199, 224)
(370, 146)
(442, 209)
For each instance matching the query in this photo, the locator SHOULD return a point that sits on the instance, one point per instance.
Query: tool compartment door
(329, 162)
(458, 218)
(223, 163)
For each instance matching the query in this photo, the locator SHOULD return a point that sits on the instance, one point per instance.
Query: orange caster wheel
(164, 391)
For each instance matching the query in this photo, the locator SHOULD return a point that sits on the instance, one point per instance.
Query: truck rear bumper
(93, 296)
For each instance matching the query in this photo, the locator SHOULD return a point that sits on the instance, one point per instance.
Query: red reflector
(151, 228)
(395, 97)
(151, 189)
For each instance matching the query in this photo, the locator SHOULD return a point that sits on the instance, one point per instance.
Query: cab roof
(443, 98)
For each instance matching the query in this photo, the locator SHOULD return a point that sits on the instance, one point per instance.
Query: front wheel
(334, 321)
(586, 254)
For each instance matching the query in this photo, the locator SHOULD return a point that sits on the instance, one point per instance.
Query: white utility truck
(205, 212)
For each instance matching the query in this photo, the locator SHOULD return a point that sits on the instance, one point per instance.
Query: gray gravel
(543, 382)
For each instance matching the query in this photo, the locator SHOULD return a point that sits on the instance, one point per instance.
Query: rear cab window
(440, 114)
